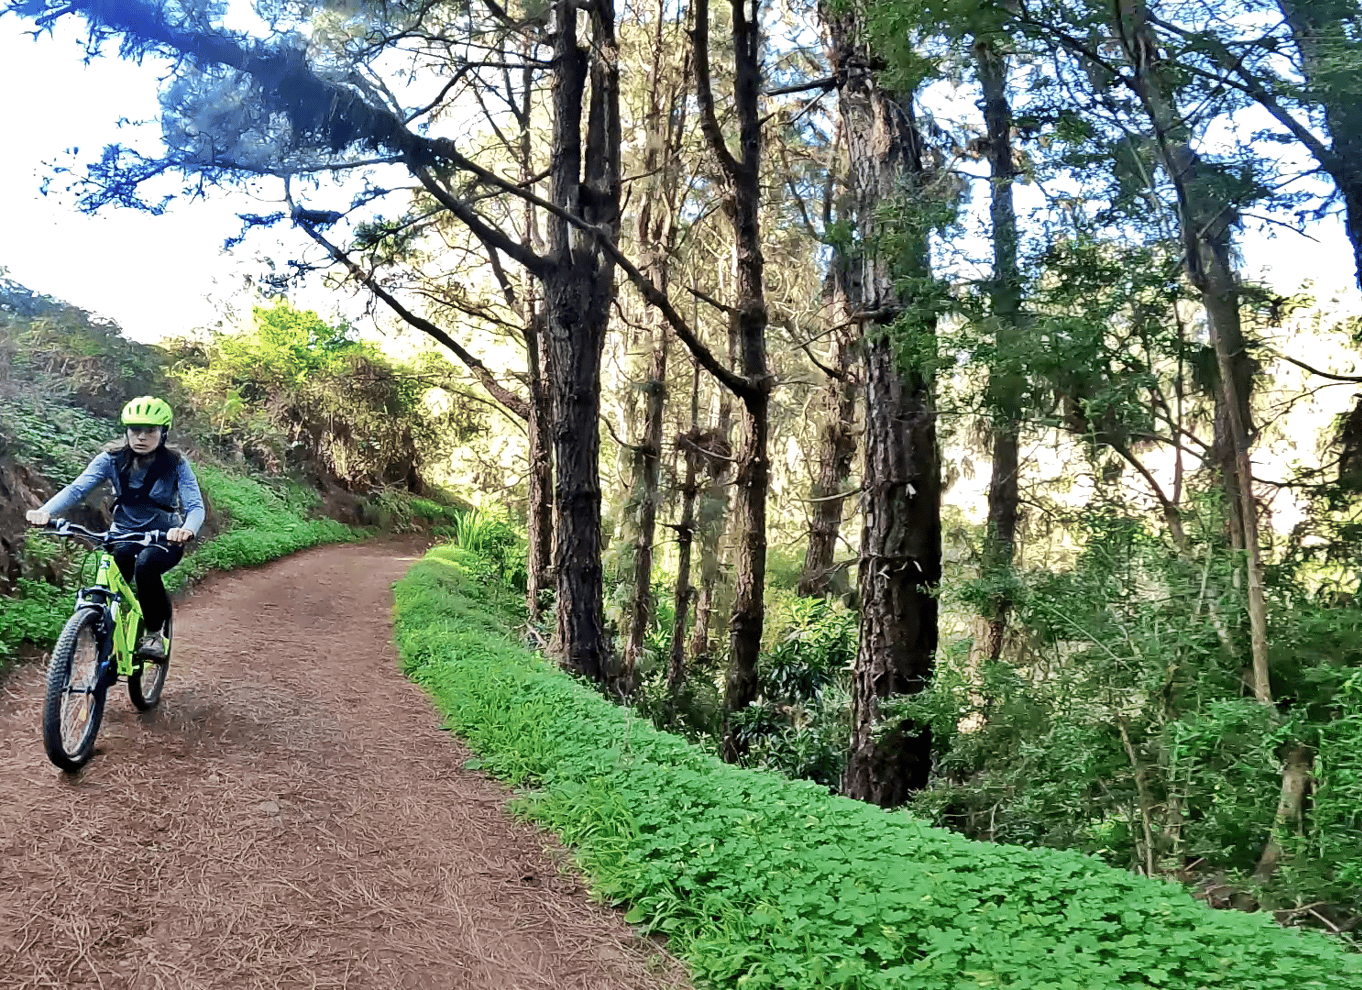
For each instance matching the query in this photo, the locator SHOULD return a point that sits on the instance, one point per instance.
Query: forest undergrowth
(1115, 724)
(759, 880)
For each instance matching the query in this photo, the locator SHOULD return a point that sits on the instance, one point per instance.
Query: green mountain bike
(98, 646)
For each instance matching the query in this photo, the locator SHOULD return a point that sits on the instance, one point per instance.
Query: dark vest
(164, 464)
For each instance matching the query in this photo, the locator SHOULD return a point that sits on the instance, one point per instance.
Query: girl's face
(144, 439)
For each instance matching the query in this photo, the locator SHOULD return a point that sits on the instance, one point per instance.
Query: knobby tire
(145, 685)
(81, 633)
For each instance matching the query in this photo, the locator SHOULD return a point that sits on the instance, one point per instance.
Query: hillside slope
(65, 375)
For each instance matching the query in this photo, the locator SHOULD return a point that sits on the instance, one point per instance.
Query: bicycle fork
(119, 626)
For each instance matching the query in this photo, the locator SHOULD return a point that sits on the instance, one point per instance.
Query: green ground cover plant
(396, 511)
(765, 882)
(57, 438)
(35, 615)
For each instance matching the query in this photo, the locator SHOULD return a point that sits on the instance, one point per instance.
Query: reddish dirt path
(291, 816)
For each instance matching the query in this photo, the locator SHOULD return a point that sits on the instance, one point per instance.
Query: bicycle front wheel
(144, 686)
(75, 693)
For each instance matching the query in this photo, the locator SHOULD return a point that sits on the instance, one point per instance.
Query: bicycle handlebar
(61, 527)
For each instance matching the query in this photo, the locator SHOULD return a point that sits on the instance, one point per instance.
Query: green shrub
(263, 522)
(495, 540)
(294, 388)
(1117, 724)
(763, 882)
(799, 724)
(35, 614)
(424, 508)
(1336, 817)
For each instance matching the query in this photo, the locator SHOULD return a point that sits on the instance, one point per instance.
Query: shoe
(152, 646)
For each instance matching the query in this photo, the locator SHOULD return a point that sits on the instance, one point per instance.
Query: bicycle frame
(108, 619)
(112, 596)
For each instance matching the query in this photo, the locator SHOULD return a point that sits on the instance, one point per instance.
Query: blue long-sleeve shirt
(180, 488)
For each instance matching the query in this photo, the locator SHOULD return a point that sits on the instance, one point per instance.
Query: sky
(166, 275)
(155, 275)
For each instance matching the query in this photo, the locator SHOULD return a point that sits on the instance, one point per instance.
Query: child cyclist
(151, 483)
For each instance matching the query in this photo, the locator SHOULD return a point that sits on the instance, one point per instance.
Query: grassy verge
(763, 882)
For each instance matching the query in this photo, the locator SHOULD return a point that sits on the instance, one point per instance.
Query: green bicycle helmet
(147, 410)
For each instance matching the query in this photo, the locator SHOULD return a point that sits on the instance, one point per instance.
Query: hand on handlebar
(178, 534)
(37, 517)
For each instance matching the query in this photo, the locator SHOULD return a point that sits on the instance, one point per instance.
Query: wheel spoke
(78, 703)
(74, 703)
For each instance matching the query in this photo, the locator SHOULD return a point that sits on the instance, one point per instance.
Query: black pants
(143, 567)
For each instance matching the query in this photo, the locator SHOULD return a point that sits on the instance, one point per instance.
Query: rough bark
(578, 289)
(712, 523)
(752, 479)
(741, 175)
(900, 564)
(647, 455)
(900, 569)
(836, 436)
(656, 230)
(539, 419)
(685, 539)
(540, 523)
(1004, 381)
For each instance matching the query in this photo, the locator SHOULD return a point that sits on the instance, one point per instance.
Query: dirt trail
(291, 816)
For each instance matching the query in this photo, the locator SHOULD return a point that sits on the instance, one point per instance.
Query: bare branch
(494, 388)
(704, 93)
(706, 297)
(491, 236)
(1321, 374)
(825, 84)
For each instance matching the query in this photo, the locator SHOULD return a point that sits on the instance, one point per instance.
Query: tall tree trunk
(1297, 770)
(712, 523)
(745, 626)
(657, 232)
(579, 288)
(836, 436)
(1004, 381)
(647, 455)
(899, 572)
(1206, 221)
(748, 320)
(685, 538)
(539, 418)
(540, 523)
(900, 566)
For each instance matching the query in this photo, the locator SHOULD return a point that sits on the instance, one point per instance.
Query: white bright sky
(154, 275)
(166, 275)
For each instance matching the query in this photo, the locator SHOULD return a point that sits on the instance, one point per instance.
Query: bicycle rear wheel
(144, 686)
(74, 704)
